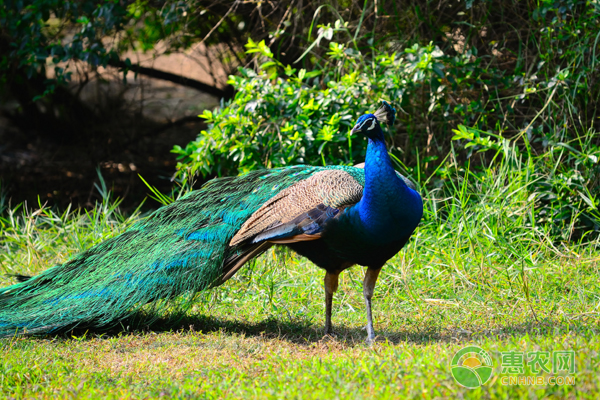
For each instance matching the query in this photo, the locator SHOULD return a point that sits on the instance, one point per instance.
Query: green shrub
(459, 112)
(306, 117)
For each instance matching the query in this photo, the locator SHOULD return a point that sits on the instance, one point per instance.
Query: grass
(260, 337)
(479, 270)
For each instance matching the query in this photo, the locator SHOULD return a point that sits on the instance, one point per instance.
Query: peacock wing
(299, 212)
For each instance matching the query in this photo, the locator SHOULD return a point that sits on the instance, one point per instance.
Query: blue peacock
(335, 216)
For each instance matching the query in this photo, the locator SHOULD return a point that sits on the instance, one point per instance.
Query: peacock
(336, 216)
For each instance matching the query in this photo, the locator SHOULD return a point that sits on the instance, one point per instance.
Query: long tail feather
(180, 249)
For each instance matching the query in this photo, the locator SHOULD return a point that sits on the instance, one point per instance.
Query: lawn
(483, 275)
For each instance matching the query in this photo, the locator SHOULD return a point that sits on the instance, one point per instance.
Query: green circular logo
(471, 367)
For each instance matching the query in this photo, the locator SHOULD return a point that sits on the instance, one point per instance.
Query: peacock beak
(354, 130)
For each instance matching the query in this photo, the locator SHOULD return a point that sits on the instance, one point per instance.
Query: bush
(459, 112)
(306, 117)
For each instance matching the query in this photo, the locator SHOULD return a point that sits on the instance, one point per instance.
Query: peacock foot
(370, 335)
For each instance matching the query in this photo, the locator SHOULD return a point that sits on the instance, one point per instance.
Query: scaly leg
(331, 285)
(368, 289)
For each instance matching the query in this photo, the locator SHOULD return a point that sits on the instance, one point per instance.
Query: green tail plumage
(179, 250)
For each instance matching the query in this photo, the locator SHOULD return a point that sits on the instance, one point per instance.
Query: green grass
(479, 270)
(260, 337)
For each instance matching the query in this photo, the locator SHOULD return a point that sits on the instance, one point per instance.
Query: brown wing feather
(303, 237)
(333, 188)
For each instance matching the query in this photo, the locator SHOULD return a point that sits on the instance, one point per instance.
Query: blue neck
(387, 201)
(378, 171)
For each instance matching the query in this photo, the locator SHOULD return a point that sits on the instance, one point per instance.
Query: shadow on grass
(306, 333)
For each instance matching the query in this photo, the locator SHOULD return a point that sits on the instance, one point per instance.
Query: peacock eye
(372, 125)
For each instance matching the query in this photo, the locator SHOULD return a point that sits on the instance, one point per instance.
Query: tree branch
(226, 93)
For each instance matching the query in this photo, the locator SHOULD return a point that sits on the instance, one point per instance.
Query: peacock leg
(368, 289)
(331, 285)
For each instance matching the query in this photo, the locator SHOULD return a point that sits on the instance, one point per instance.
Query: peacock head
(368, 124)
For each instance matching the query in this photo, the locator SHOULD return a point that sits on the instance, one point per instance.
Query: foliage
(36, 34)
(33, 29)
(306, 117)
(41, 33)
(50, 50)
(44, 42)
(281, 116)
(561, 181)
